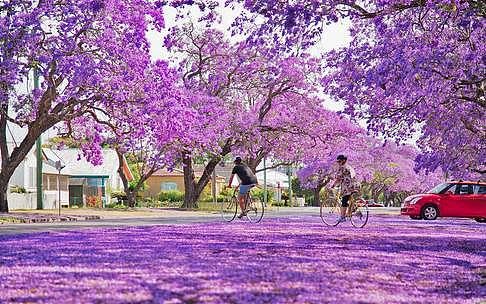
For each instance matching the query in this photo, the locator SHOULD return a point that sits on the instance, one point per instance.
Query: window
(64, 183)
(166, 186)
(52, 183)
(479, 189)
(464, 189)
(33, 177)
(452, 189)
(482, 190)
(439, 188)
(45, 182)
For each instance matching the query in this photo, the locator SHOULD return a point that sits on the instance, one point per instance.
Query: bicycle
(357, 211)
(254, 208)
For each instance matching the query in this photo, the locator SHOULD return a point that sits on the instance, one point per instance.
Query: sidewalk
(115, 213)
(29, 217)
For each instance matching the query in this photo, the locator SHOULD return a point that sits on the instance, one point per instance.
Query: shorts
(244, 189)
(345, 200)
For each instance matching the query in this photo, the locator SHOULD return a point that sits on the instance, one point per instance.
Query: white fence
(29, 200)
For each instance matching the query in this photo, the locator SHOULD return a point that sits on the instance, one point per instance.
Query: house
(24, 177)
(275, 178)
(89, 185)
(52, 181)
(163, 180)
(81, 183)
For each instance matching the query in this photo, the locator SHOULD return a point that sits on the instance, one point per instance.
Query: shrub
(206, 195)
(17, 189)
(116, 206)
(171, 196)
(153, 203)
(93, 201)
(281, 204)
(120, 196)
(209, 199)
(149, 202)
(260, 193)
(226, 192)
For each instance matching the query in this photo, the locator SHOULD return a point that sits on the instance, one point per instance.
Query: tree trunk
(253, 162)
(317, 198)
(123, 177)
(190, 186)
(131, 193)
(193, 189)
(11, 162)
(131, 198)
(3, 196)
(317, 192)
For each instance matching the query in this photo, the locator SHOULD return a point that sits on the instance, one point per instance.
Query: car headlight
(415, 200)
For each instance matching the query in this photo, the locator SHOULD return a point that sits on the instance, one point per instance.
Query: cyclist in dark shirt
(247, 181)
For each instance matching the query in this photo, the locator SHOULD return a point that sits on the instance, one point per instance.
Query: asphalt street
(184, 218)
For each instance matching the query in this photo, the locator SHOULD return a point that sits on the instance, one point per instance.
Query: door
(76, 195)
(478, 201)
(448, 205)
(464, 200)
(455, 201)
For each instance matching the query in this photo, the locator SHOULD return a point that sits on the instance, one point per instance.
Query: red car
(372, 203)
(451, 199)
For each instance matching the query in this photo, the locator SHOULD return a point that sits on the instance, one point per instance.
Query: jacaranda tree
(411, 67)
(75, 47)
(246, 82)
(145, 128)
(382, 168)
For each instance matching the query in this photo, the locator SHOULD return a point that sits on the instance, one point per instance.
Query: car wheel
(430, 212)
(481, 220)
(416, 217)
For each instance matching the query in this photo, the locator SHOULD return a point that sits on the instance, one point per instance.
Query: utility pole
(213, 186)
(59, 167)
(290, 185)
(265, 199)
(38, 147)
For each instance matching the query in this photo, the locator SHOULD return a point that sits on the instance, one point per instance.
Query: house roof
(48, 169)
(76, 165)
(165, 172)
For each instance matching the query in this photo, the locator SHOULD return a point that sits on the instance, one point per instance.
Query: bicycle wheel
(359, 216)
(229, 208)
(330, 212)
(254, 210)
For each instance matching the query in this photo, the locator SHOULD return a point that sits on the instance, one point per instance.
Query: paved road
(184, 218)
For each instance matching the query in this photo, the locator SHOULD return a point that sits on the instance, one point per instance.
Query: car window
(439, 189)
(463, 189)
(479, 189)
(452, 189)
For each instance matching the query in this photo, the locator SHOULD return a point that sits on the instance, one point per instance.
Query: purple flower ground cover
(286, 260)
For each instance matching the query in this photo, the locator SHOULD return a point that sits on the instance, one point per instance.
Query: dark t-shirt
(244, 173)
